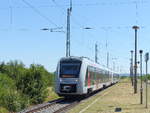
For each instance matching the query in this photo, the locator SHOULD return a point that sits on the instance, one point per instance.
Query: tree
(9, 97)
(34, 84)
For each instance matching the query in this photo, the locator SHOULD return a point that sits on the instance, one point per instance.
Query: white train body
(80, 76)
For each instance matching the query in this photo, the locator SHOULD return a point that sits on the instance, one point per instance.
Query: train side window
(86, 77)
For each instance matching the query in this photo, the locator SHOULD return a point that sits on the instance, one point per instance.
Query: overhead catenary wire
(74, 20)
(56, 5)
(38, 12)
(11, 15)
(59, 7)
(62, 10)
(119, 27)
(85, 4)
(80, 26)
(137, 12)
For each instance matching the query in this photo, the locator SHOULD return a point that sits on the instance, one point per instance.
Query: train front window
(69, 70)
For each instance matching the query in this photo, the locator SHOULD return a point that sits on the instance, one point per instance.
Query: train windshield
(69, 70)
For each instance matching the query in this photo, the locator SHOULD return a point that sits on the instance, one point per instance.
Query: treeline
(144, 77)
(139, 77)
(21, 86)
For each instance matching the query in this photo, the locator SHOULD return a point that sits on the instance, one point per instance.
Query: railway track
(58, 106)
(55, 106)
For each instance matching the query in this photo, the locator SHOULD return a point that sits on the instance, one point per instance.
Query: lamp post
(135, 61)
(141, 89)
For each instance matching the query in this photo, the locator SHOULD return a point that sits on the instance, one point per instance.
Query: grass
(51, 94)
(118, 96)
(3, 110)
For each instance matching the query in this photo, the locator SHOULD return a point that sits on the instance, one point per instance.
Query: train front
(68, 81)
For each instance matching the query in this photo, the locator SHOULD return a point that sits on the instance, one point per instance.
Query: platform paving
(116, 99)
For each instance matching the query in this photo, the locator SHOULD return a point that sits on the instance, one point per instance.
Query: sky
(111, 21)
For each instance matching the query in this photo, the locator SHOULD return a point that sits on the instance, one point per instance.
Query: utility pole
(114, 66)
(135, 61)
(107, 54)
(96, 53)
(131, 66)
(107, 59)
(141, 90)
(146, 60)
(131, 71)
(69, 10)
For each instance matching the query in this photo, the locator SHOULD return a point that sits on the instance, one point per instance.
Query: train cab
(68, 76)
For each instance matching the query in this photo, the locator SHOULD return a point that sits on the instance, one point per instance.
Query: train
(76, 76)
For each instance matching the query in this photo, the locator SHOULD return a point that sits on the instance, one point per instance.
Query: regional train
(81, 76)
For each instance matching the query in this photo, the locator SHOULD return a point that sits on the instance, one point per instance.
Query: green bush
(124, 77)
(13, 101)
(12, 68)
(21, 86)
(6, 84)
(50, 79)
(144, 77)
(9, 97)
(34, 84)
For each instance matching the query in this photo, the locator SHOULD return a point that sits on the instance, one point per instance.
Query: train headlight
(60, 80)
(76, 80)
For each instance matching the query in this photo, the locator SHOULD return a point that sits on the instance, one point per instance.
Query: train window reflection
(69, 69)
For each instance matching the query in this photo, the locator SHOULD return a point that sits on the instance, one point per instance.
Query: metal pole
(68, 30)
(107, 59)
(96, 53)
(132, 67)
(113, 65)
(135, 62)
(146, 84)
(131, 71)
(141, 90)
(68, 34)
(107, 54)
(146, 60)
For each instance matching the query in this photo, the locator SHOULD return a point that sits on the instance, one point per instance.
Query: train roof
(88, 61)
(76, 58)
